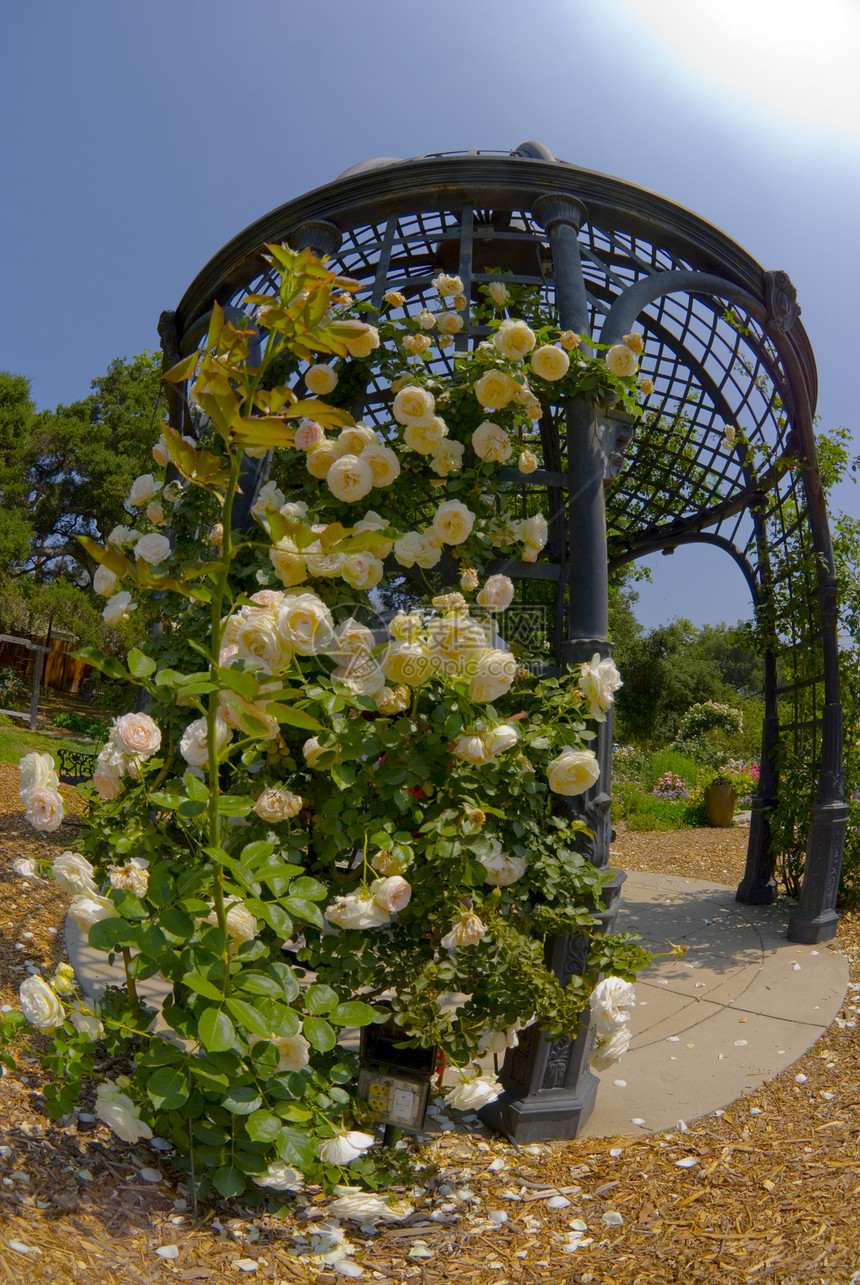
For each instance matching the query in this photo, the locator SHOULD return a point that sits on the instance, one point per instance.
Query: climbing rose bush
(320, 822)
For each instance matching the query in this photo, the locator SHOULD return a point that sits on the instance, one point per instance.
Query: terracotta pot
(720, 803)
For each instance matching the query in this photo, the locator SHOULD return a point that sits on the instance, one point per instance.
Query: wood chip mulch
(769, 1190)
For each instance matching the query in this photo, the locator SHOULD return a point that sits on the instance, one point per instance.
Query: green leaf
(277, 918)
(210, 1079)
(166, 802)
(195, 789)
(167, 1088)
(216, 1031)
(310, 888)
(353, 1013)
(262, 1126)
(303, 909)
(294, 1111)
(319, 1034)
(177, 924)
(286, 978)
(228, 1181)
(254, 852)
(296, 1148)
(248, 1017)
(107, 934)
(232, 805)
(191, 808)
(343, 775)
(259, 984)
(139, 665)
(203, 986)
(294, 717)
(105, 664)
(320, 999)
(242, 1099)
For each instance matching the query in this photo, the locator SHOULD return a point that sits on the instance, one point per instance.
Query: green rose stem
(220, 593)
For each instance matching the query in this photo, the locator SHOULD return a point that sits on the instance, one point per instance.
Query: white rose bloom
(87, 1024)
(533, 531)
(425, 439)
(455, 639)
(267, 598)
(160, 453)
(513, 339)
(364, 343)
(308, 434)
(104, 581)
(320, 458)
(36, 769)
(610, 999)
(290, 567)
(426, 319)
(73, 873)
(362, 570)
(528, 462)
(550, 363)
(384, 464)
(363, 677)
(492, 675)
(407, 662)
(120, 1113)
(241, 924)
(453, 522)
(353, 440)
(152, 548)
(293, 1051)
(500, 738)
(468, 931)
(449, 323)
(269, 496)
(473, 1093)
(414, 344)
(448, 285)
(502, 868)
(495, 389)
(275, 804)
(414, 405)
(320, 380)
(134, 876)
(573, 772)
(343, 1148)
(117, 608)
(405, 627)
(366, 1206)
(280, 1177)
(598, 679)
(499, 1042)
(635, 341)
(471, 749)
(499, 293)
(143, 489)
(136, 735)
(155, 513)
(107, 781)
(27, 868)
(392, 894)
(621, 361)
(193, 744)
(447, 457)
(351, 639)
(468, 579)
(356, 911)
(497, 594)
(40, 1005)
(646, 386)
(43, 808)
(393, 700)
(88, 909)
(305, 624)
(247, 716)
(258, 638)
(350, 478)
(609, 1049)
(491, 443)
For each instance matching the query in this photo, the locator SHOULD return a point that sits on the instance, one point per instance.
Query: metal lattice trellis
(725, 351)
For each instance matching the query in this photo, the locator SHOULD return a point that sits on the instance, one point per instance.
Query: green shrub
(81, 724)
(13, 689)
(663, 761)
(640, 810)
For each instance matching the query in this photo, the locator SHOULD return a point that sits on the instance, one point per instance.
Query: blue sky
(147, 134)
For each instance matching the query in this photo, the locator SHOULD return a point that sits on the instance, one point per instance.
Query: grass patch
(16, 742)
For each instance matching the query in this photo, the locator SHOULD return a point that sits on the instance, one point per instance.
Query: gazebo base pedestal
(545, 1115)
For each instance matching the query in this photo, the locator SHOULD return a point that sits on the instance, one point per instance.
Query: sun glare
(794, 60)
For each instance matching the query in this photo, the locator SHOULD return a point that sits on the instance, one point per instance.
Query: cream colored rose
(86, 909)
(513, 339)
(495, 389)
(362, 571)
(40, 1005)
(426, 319)
(305, 624)
(425, 439)
(117, 608)
(447, 457)
(492, 675)
(73, 873)
(320, 458)
(193, 744)
(364, 343)
(136, 735)
(573, 772)
(259, 638)
(391, 701)
(407, 662)
(394, 298)
(241, 924)
(609, 1001)
(323, 565)
(449, 323)
(104, 581)
(569, 340)
(502, 868)
(160, 453)
(267, 598)
(392, 894)
(473, 1092)
(143, 489)
(621, 361)
(320, 380)
(134, 876)
(405, 627)
(384, 464)
(351, 639)
(471, 749)
(497, 594)
(354, 910)
(120, 1113)
(499, 293)
(468, 931)
(107, 782)
(155, 513)
(598, 680)
(36, 769)
(635, 341)
(646, 386)
(293, 1054)
(87, 1024)
(550, 363)
(448, 285)
(364, 677)
(308, 434)
(269, 496)
(415, 344)
(453, 522)
(248, 716)
(275, 804)
(528, 462)
(468, 579)
(500, 738)
(352, 440)
(290, 567)
(120, 536)
(609, 1049)
(533, 531)
(454, 639)
(413, 548)
(152, 548)
(43, 808)
(350, 478)
(491, 443)
(414, 405)
(313, 751)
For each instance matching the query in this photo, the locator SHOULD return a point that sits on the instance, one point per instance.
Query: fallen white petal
(801, 1079)
(612, 1218)
(637, 1120)
(497, 1216)
(741, 1044)
(246, 1264)
(151, 1175)
(168, 1251)
(348, 1268)
(687, 1163)
(620, 1084)
(20, 1248)
(557, 1202)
